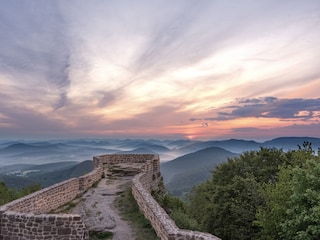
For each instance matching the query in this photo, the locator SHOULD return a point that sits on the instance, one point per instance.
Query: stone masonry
(29, 217)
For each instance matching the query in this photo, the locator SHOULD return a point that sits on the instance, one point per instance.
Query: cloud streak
(35, 49)
(143, 67)
(268, 107)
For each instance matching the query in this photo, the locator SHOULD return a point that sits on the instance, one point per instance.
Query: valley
(184, 163)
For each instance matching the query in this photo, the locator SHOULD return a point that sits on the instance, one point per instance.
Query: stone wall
(164, 226)
(124, 158)
(151, 165)
(142, 184)
(15, 226)
(28, 218)
(47, 199)
(86, 181)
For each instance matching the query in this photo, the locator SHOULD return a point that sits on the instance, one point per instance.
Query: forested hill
(182, 173)
(264, 194)
(22, 175)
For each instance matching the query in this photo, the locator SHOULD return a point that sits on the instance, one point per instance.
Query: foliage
(28, 190)
(228, 211)
(177, 210)
(302, 220)
(266, 194)
(130, 210)
(226, 205)
(293, 201)
(183, 220)
(200, 203)
(276, 195)
(6, 194)
(192, 169)
(100, 235)
(9, 194)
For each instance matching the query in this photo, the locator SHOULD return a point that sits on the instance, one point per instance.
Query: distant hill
(51, 167)
(137, 151)
(153, 147)
(240, 146)
(188, 170)
(45, 174)
(14, 168)
(16, 181)
(232, 145)
(182, 173)
(23, 147)
(38, 153)
(291, 143)
(46, 152)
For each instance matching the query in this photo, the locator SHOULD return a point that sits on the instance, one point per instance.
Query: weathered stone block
(64, 231)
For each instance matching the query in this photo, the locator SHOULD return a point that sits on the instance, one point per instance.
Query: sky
(193, 69)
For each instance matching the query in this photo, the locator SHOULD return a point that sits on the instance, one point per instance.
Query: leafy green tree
(262, 164)
(302, 220)
(9, 194)
(235, 209)
(271, 214)
(177, 209)
(200, 203)
(6, 193)
(266, 194)
(226, 205)
(28, 190)
(301, 155)
(292, 199)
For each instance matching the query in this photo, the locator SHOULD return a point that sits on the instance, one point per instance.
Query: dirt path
(97, 208)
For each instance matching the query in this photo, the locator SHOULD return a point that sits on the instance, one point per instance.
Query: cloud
(108, 98)
(268, 107)
(170, 41)
(35, 50)
(149, 65)
(276, 131)
(195, 119)
(28, 121)
(257, 100)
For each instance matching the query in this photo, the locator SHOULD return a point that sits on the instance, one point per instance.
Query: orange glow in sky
(160, 69)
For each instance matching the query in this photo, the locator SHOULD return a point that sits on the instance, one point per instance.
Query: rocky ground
(97, 206)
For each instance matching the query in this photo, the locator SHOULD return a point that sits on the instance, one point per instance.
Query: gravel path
(98, 211)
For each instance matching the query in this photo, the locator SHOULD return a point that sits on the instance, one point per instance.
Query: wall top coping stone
(42, 215)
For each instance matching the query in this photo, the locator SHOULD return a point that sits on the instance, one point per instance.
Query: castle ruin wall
(28, 218)
(164, 226)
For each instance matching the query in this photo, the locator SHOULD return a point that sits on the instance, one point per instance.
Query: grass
(100, 235)
(129, 209)
(95, 184)
(67, 206)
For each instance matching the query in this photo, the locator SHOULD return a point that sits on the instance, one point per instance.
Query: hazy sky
(203, 69)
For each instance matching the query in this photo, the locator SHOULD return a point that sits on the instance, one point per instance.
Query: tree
(6, 193)
(200, 203)
(303, 213)
(9, 194)
(271, 214)
(292, 202)
(266, 194)
(235, 208)
(262, 164)
(226, 205)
